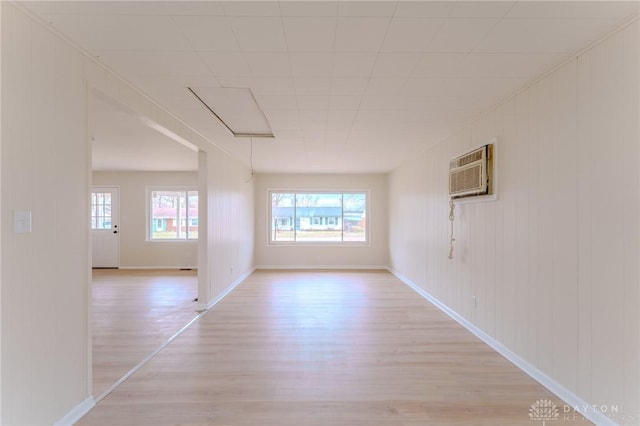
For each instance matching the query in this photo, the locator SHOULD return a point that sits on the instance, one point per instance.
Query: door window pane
(101, 210)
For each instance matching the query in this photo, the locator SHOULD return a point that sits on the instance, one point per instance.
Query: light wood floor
(324, 348)
(133, 313)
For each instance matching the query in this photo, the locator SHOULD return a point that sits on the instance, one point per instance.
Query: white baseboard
(572, 400)
(76, 412)
(159, 267)
(321, 267)
(232, 286)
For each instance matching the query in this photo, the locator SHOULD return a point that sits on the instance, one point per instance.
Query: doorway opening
(142, 288)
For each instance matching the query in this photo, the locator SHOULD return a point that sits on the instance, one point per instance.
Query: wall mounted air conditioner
(471, 174)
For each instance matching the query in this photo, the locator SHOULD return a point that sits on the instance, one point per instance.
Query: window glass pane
(174, 215)
(312, 211)
(355, 208)
(309, 217)
(282, 216)
(164, 210)
(192, 202)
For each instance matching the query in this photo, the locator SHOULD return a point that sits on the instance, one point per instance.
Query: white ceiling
(346, 86)
(121, 141)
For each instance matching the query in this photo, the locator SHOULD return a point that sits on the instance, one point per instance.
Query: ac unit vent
(470, 173)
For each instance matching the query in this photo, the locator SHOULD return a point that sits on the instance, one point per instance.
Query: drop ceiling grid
(337, 67)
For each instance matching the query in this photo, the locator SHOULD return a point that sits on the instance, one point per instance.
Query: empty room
(392, 213)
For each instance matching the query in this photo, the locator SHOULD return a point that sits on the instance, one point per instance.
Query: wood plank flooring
(133, 313)
(325, 348)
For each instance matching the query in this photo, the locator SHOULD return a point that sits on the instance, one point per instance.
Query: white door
(105, 233)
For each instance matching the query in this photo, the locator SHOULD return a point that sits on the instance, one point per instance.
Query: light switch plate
(22, 221)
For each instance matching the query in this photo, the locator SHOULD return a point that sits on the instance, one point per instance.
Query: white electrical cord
(451, 217)
(251, 161)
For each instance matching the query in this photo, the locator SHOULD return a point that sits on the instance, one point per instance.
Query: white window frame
(149, 213)
(339, 219)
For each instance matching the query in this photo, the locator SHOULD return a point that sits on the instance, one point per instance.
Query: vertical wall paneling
(204, 260)
(585, 225)
(45, 168)
(553, 262)
(44, 171)
(1, 211)
(631, 213)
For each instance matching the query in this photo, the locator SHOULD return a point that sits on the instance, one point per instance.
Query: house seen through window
(318, 217)
(174, 215)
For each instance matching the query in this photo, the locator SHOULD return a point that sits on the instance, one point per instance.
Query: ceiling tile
(99, 7)
(172, 84)
(153, 63)
(340, 118)
(236, 82)
(542, 35)
(273, 86)
(360, 34)
(192, 8)
(311, 64)
(348, 86)
(411, 34)
(313, 102)
(366, 8)
(259, 34)
(312, 85)
(574, 9)
(309, 8)
(273, 64)
(353, 64)
(275, 114)
(121, 32)
(461, 35)
(310, 34)
(251, 8)
(424, 9)
(602, 9)
(389, 64)
(277, 102)
(425, 87)
(527, 65)
(438, 64)
(208, 32)
(481, 9)
(344, 102)
(226, 64)
(385, 86)
(491, 88)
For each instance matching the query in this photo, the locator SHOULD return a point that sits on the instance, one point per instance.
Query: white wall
(554, 263)
(135, 250)
(375, 255)
(230, 223)
(45, 170)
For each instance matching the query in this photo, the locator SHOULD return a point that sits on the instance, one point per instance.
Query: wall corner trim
(77, 412)
(589, 411)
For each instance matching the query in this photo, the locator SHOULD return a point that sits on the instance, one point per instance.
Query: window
(101, 210)
(318, 217)
(174, 215)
